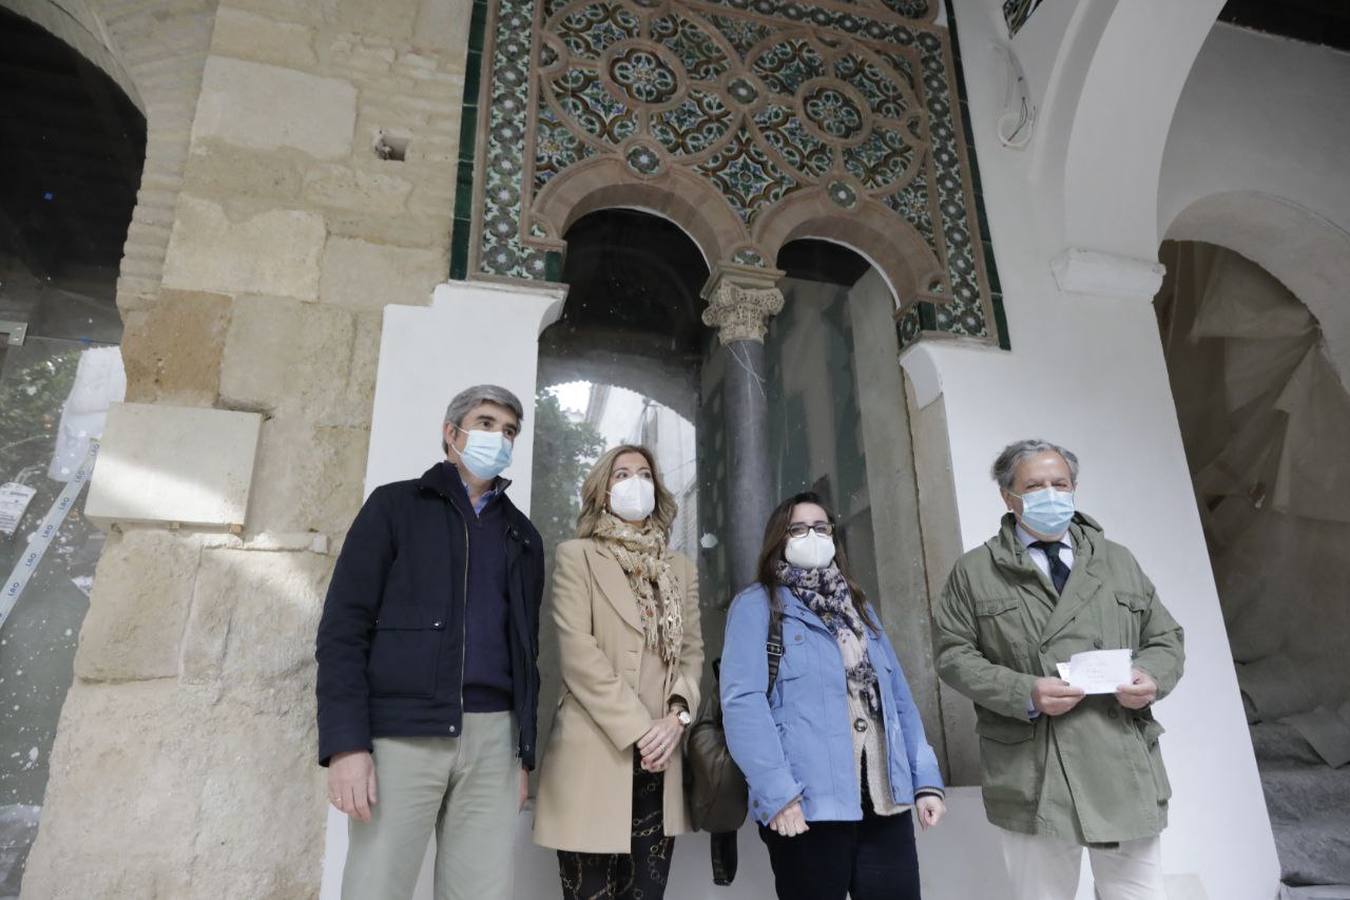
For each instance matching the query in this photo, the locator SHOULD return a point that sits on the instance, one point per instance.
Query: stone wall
(270, 233)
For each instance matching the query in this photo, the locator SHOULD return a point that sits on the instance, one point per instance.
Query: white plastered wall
(1086, 370)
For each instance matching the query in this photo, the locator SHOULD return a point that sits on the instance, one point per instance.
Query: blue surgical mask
(486, 453)
(1047, 511)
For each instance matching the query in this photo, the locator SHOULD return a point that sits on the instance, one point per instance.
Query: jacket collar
(443, 480)
(1012, 557)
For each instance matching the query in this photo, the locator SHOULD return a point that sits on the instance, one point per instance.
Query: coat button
(1097, 643)
(798, 639)
(452, 729)
(435, 624)
(860, 724)
(1113, 713)
(1045, 648)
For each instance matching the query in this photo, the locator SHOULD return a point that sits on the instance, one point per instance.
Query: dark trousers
(639, 875)
(874, 859)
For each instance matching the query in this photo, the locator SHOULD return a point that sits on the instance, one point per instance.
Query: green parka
(1095, 774)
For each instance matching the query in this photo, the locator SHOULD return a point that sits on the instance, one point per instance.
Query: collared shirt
(1043, 563)
(1038, 555)
(499, 485)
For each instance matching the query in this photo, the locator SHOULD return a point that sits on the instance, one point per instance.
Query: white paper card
(1099, 671)
(14, 500)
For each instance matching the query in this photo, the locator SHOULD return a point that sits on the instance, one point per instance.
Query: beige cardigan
(585, 799)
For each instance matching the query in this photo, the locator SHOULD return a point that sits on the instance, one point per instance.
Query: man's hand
(1140, 692)
(660, 742)
(1054, 696)
(930, 809)
(790, 821)
(351, 783)
(524, 788)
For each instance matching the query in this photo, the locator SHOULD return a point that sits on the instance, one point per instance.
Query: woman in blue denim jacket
(835, 753)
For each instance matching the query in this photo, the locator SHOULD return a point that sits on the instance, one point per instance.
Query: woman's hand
(790, 821)
(930, 810)
(658, 745)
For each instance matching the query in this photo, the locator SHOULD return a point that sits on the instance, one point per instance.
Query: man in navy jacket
(427, 680)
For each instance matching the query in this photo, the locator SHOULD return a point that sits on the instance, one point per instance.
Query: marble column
(741, 301)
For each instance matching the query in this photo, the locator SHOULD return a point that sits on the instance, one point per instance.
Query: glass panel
(37, 642)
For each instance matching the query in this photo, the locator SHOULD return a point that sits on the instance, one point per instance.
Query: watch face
(684, 717)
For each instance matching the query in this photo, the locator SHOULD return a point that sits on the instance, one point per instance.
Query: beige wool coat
(585, 798)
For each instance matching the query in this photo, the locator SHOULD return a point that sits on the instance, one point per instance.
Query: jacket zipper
(463, 620)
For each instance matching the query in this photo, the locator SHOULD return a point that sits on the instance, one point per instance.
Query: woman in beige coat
(611, 789)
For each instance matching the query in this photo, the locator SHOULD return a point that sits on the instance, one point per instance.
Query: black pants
(874, 859)
(639, 875)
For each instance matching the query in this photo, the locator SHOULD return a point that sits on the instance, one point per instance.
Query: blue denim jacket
(797, 741)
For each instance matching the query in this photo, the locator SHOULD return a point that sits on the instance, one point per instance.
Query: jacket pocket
(1150, 729)
(998, 621)
(1008, 759)
(404, 653)
(1130, 609)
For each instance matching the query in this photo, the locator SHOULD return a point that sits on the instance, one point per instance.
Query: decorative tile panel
(764, 102)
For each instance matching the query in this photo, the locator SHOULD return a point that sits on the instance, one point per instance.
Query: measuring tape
(40, 540)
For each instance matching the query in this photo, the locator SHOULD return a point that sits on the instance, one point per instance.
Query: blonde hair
(595, 489)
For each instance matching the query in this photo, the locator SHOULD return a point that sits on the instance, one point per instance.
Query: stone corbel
(741, 301)
(1081, 271)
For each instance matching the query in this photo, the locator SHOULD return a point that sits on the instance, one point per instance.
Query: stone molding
(1078, 270)
(741, 301)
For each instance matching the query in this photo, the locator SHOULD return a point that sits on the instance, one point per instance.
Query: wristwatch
(682, 716)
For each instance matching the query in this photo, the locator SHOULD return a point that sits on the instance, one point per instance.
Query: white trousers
(1046, 868)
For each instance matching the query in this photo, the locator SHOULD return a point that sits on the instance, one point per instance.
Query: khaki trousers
(1046, 868)
(466, 788)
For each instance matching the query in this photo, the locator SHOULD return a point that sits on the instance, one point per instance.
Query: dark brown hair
(775, 540)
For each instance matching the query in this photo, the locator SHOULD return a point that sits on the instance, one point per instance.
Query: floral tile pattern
(762, 100)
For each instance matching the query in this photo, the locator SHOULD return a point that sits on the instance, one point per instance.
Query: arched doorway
(71, 150)
(1265, 417)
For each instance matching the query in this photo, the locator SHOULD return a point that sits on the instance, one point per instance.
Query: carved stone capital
(741, 301)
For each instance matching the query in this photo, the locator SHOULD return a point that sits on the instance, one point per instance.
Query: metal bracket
(16, 331)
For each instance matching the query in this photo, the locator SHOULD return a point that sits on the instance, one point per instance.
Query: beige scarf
(645, 559)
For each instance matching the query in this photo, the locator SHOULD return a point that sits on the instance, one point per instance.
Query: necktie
(1059, 573)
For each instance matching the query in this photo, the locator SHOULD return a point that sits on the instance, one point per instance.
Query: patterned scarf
(644, 557)
(825, 592)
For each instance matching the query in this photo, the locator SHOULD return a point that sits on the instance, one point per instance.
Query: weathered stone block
(309, 478)
(136, 749)
(225, 171)
(247, 35)
(254, 616)
(173, 465)
(284, 355)
(358, 189)
(256, 766)
(362, 274)
(443, 25)
(275, 252)
(172, 350)
(267, 107)
(390, 18)
(139, 604)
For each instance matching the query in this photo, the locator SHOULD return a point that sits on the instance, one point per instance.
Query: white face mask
(633, 499)
(810, 551)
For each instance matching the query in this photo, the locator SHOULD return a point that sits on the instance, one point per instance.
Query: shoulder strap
(774, 646)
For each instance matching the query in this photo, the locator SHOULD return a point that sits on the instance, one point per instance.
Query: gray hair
(1013, 455)
(466, 400)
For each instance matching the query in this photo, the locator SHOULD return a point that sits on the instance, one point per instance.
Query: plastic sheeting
(100, 381)
(1265, 419)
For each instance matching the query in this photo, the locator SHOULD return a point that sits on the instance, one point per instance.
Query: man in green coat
(1061, 770)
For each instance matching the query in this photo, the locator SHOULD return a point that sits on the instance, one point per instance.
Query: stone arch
(156, 52)
(1107, 118)
(79, 25)
(606, 183)
(898, 253)
(1307, 253)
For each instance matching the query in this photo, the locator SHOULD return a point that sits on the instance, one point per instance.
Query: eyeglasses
(800, 529)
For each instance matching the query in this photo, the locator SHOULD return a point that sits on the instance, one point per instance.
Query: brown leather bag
(719, 796)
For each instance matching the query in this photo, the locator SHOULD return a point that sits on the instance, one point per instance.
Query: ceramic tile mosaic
(767, 102)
